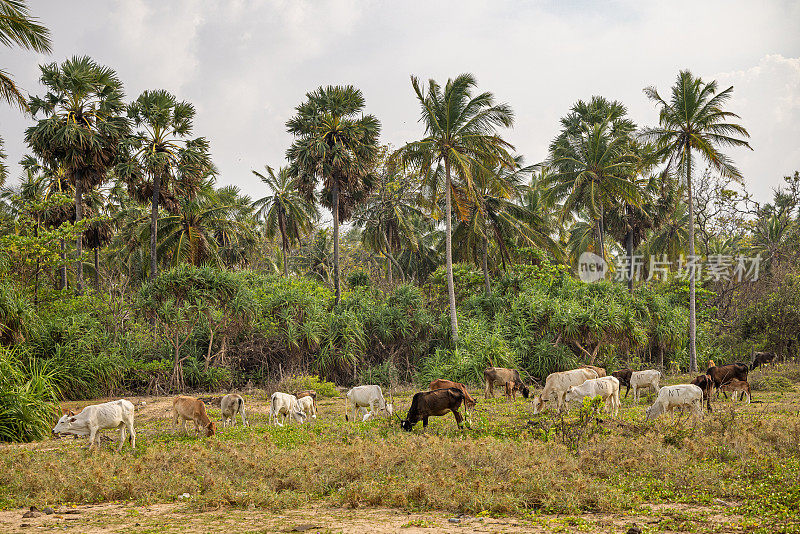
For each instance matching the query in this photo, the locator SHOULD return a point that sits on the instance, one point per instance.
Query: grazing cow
(601, 372)
(230, 405)
(624, 377)
(762, 358)
(557, 384)
(500, 376)
(283, 404)
(185, 408)
(705, 383)
(606, 387)
(307, 406)
(308, 393)
(440, 383)
(644, 379)
(738, 386)
(433, 403)
(370, 397)
(725, 373)
(114, 414)
(671, 397)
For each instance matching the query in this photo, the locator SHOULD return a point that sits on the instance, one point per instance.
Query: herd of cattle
(444, 396)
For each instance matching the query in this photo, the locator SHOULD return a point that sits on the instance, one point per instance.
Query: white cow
(366, 397)
(307, 406)
(114, 414)
(607, 387)
(670, 397)
(644, 379)
(284, 405)
(230, 405)
(557, 384)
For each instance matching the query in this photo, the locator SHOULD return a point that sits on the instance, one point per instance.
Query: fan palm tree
(164, 164)
(337, 144)
(694, 119)
(460, 134)
(81, 130)
(285, 211)
(18, 27)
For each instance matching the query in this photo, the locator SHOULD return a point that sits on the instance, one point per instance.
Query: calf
(500, 376)
(705, 383)
(738, 386)
(762, 358)
(308, 393)
(624, 377)
(433, 403)
(369, 396)
(671, 397)
(283, 404)
(725, 373)
(114, 414)
(644, 379)
(230, 405)
(185, 408)
(601, 372)
(440, 383)
(557, 384)
(606, 387)
(307, 406)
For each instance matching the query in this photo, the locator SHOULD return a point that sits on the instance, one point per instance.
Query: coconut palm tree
(460, 134)
(81, 128)
(694, 119)
(18, 27)
(337, 145)
(164, 164)
(285, 211)
(3, 168)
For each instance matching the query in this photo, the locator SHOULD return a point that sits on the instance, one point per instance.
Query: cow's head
(389, 408)
(570, 395)
(406, 425)
(299, 416)
(651, 413)
(210, 429)
(538, 404)
(66, 425)
(524, 389)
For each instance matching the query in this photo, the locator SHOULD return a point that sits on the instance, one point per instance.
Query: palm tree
(592, 162)
(3, 168)
(694, 119)
(164, 164)
(81, 130)
(285, 210)
(17, 27)
(460, 134)
(337, 144)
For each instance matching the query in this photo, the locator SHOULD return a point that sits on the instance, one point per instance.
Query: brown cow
(705, 383)
(723, 374)
(308, 393)
(191, 409)
(433, 403)
(737, 386)
(601, 372)
(500, 376)
(441, 383)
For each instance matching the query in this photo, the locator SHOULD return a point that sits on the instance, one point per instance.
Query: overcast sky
(246, 64)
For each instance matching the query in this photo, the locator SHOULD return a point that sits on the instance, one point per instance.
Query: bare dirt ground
(182, 519)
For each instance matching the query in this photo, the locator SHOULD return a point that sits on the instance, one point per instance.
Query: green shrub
(358, 278)
(27, 399)
(383, 374)
(301, 382)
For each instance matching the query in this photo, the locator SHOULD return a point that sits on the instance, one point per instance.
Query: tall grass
(27, 398)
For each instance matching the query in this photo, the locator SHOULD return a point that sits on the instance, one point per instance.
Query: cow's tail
(346, 416)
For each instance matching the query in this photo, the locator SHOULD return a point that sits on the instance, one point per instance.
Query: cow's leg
(121, 435)
(424, 423)
(459, 420)
(627, 390)
(487, 388)
(131, 433)
(92, 437)
(244, 419)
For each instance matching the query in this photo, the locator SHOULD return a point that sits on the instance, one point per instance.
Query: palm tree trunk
(336, 241)
(79, 237)
(285, 265)
(487, 284)
(389, 268)
(692, 315)
(97, 269)
(154, 225)
(629, 252)
(451, 290)
(63, 268)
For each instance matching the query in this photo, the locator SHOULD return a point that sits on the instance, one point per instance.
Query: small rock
(185, 496)
(303, 528)
(48, 510)
(23, 525)
(33, 512)
(634, 530)
(454, 520)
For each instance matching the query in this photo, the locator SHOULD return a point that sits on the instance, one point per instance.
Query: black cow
(433, 403)
(624, 377)
(760, 358)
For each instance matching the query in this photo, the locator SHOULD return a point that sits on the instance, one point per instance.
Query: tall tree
(285, 211)
(694, 119)
(18, 27)
(337, 144)
(81, 130)
(164, 164)
(460, 134)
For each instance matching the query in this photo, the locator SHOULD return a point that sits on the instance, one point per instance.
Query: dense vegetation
(456, 256)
